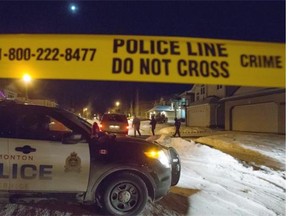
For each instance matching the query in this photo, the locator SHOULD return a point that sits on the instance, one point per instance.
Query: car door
(42, 161)
(4, 148)
(4, 164)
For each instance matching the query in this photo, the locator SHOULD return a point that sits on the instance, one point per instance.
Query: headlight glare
(160, 156)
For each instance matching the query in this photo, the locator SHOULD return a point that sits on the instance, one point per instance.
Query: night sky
(237, 20)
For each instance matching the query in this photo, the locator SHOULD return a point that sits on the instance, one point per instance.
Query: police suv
(48, 151)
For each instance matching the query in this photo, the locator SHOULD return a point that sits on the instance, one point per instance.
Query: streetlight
(26, 79)
(85, 114)
(117, 103)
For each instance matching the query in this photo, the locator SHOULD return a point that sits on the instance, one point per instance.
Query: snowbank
(214, 183)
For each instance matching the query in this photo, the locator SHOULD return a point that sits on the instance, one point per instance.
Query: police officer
(153, 124)
(177, 125)
(136, 125)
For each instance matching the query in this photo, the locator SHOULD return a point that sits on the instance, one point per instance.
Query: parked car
(114, 123)
(161, 119)
(46, 152)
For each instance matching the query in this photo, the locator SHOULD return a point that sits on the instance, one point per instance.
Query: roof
(260, 92)
(161, 108)
(207, 100)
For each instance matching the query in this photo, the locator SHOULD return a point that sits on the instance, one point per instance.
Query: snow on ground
(215, 183)
(256, 148)
(212, 182)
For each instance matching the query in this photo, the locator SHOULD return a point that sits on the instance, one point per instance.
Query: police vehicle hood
(125, 149)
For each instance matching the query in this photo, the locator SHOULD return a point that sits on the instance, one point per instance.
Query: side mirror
(71, 138)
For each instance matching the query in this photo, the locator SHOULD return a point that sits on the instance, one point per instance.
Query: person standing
(177, 125)
(153, 124)
(95, 129)
(136, 125)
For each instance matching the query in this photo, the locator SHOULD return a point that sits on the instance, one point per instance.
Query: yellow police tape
(143, 58)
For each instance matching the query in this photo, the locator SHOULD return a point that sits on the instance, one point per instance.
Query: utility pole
(131, 108)
(137, 102)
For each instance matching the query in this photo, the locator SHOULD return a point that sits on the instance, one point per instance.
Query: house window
(202, 89)
(197, 96)
(219, 87)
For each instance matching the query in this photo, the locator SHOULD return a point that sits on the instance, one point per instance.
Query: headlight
(161, 155)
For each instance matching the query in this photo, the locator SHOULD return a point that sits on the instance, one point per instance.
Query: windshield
(77, 120)
(114, 117)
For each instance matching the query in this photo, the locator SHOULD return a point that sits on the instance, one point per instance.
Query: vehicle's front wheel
(125, 194)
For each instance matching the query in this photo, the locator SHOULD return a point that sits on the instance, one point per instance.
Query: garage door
(199, 116)
(256, 118)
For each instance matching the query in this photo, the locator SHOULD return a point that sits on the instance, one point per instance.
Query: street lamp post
(85, 110)
(117, 103)
(26, 79)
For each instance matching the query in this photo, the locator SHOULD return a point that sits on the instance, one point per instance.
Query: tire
(125, 194)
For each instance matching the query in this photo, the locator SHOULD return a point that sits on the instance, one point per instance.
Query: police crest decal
(73, 163)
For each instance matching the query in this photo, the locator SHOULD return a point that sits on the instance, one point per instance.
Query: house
(253, 109)
(10, 92)
(164, 112)
(169, 107)
(7, 94)
(7, 91)
(256, 109)
(204, 107)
